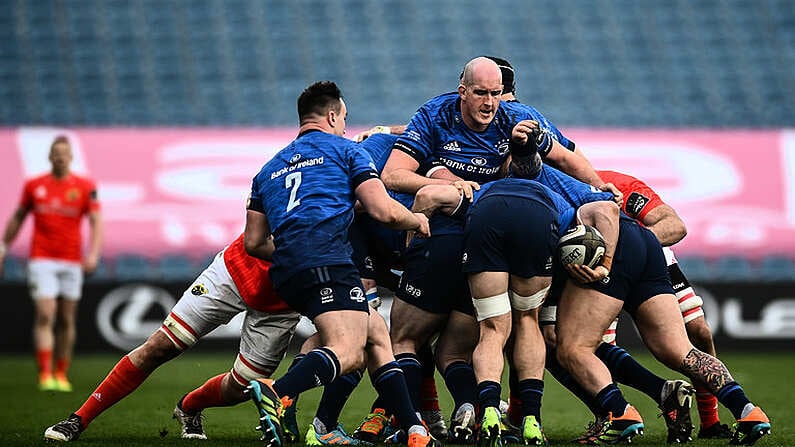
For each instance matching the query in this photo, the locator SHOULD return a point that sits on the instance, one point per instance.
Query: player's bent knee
(492, 306)
(245, 370)
(180, 334)
(523, 303)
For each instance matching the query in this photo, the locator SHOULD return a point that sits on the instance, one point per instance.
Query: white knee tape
(178, 332)
(522, 303)
(610, 334)
(690, 304)
(492, 306)
(548, 315)
(244, 371)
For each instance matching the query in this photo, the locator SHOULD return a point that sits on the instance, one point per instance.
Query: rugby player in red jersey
(58, 201)
(234, 282)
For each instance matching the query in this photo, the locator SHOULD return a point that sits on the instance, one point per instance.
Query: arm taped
(522, 303)
(492, 306)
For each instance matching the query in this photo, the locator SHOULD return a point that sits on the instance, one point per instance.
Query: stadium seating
(734, 269)
(14, 269)
(696, 268)
(618, 63)
(133, 267)
(777, 268)
(603, 63)
(177, 268)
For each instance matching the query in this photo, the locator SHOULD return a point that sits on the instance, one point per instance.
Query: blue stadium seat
(14, 269)
(623, 63)
(777, 268)
(133, 267)
(696, 268)
(734, 268)
(176, 268)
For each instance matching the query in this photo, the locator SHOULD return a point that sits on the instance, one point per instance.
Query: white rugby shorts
(53, 278)
(212, 300)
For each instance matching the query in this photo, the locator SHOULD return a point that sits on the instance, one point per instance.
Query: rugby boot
(749, 429)
(66, 430)
(489, 433)
(462, 425)
(372, 427)
(677, 399)
(715, 431)
(269, 407)
(532, 432)
(622, 428)
(191, 424)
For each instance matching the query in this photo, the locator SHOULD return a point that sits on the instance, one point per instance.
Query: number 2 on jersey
(292, 182)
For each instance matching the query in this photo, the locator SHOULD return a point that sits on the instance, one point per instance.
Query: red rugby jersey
(58, 205)
(252, 278)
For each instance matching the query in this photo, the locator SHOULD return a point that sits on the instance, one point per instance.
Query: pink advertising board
(167, 190)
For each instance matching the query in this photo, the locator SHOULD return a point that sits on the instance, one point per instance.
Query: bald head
(480, 89)
(481, 70)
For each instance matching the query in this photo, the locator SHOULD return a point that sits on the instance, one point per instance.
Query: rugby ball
(583, 245)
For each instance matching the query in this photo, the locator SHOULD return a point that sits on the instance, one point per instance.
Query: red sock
(44, 361)
(61, 367)
(122, 380)
(205, 396)
(707, 407)
(515, 410)
(430, 397)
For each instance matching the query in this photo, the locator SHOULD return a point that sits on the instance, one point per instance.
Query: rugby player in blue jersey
(301, 206)
(468, 132)
(512, 229)
(637, 281)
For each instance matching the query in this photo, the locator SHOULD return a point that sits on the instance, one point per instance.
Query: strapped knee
(182, 335)
(492, 306)
(522, 303)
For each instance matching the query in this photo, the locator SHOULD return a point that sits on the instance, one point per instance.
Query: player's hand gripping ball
(582, 245)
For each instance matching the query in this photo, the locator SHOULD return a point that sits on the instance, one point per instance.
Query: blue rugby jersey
(307, 192)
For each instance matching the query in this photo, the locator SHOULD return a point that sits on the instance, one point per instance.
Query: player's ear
(461, 89)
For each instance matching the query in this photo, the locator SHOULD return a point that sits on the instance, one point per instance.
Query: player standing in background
(299, 212)
(59, 201)
(234, 282)
(643, 204)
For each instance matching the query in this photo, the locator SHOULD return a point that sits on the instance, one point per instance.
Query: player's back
(306, 191)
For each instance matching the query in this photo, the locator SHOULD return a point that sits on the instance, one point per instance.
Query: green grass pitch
(144, 418)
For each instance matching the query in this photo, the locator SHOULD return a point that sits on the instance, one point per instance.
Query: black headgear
(508, 83)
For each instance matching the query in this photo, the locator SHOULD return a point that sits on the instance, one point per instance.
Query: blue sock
(733, 397)
(335, 394)
(320, 366)
(489, 394)
(530, 392)
(412, 371)
(390, 383)
(611, 399)
(628, 371)
(461, 382)
(567, 380)
(296, 360)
